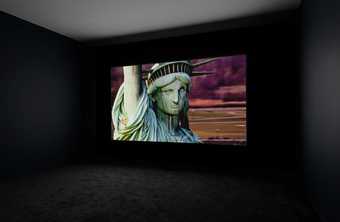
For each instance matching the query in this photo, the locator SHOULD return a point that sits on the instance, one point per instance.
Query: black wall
(40, 113)
(54, 91)
(321, 105)
(56, 94)
(272, 48)
(56, 104)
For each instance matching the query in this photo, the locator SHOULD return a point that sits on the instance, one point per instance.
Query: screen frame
(153, 143)
(275, 43)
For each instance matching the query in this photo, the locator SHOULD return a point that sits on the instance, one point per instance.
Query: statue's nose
(176, 98)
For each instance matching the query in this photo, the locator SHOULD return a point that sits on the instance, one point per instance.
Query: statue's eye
(168, 90)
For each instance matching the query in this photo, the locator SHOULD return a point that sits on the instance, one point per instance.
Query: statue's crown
(162, 69)
(159, 70)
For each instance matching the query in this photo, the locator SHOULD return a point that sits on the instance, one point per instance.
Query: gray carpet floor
(104, 193)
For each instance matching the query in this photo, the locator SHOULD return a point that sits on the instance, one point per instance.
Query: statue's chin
(172, 112)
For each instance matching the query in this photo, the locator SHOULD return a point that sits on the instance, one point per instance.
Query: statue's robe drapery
(144, 125)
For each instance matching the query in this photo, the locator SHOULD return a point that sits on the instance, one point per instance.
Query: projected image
(189, 101)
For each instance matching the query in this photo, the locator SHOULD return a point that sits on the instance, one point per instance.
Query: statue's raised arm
(132, 87)
(155, 108)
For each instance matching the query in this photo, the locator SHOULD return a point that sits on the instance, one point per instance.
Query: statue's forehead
(174, 85)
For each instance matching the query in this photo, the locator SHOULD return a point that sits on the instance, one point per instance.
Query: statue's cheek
(162, 103)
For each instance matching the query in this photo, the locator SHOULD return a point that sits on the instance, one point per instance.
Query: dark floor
(111, 193)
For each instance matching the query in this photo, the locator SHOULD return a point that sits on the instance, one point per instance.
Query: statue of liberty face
(171, 98)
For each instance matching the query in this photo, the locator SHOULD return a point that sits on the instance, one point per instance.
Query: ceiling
(87, 20)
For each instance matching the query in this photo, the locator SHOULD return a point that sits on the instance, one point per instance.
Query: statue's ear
(153, 95)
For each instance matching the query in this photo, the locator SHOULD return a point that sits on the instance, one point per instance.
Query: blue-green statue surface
(153, 110)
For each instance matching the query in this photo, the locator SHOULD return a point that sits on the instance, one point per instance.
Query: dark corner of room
(169, 111)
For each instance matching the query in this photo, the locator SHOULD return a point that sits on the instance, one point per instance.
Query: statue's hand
(132, 87)
(132, 72)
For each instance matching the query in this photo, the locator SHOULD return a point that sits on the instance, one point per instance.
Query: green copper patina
(155, 107)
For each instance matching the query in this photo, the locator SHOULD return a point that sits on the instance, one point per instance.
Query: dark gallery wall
(271, 45)
(40, 115)
(55, 93)
(321, 105)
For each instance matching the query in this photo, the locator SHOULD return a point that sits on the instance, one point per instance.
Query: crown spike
(203, 62)
(201, 73)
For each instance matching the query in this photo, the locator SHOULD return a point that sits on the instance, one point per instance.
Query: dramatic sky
(225, 86)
